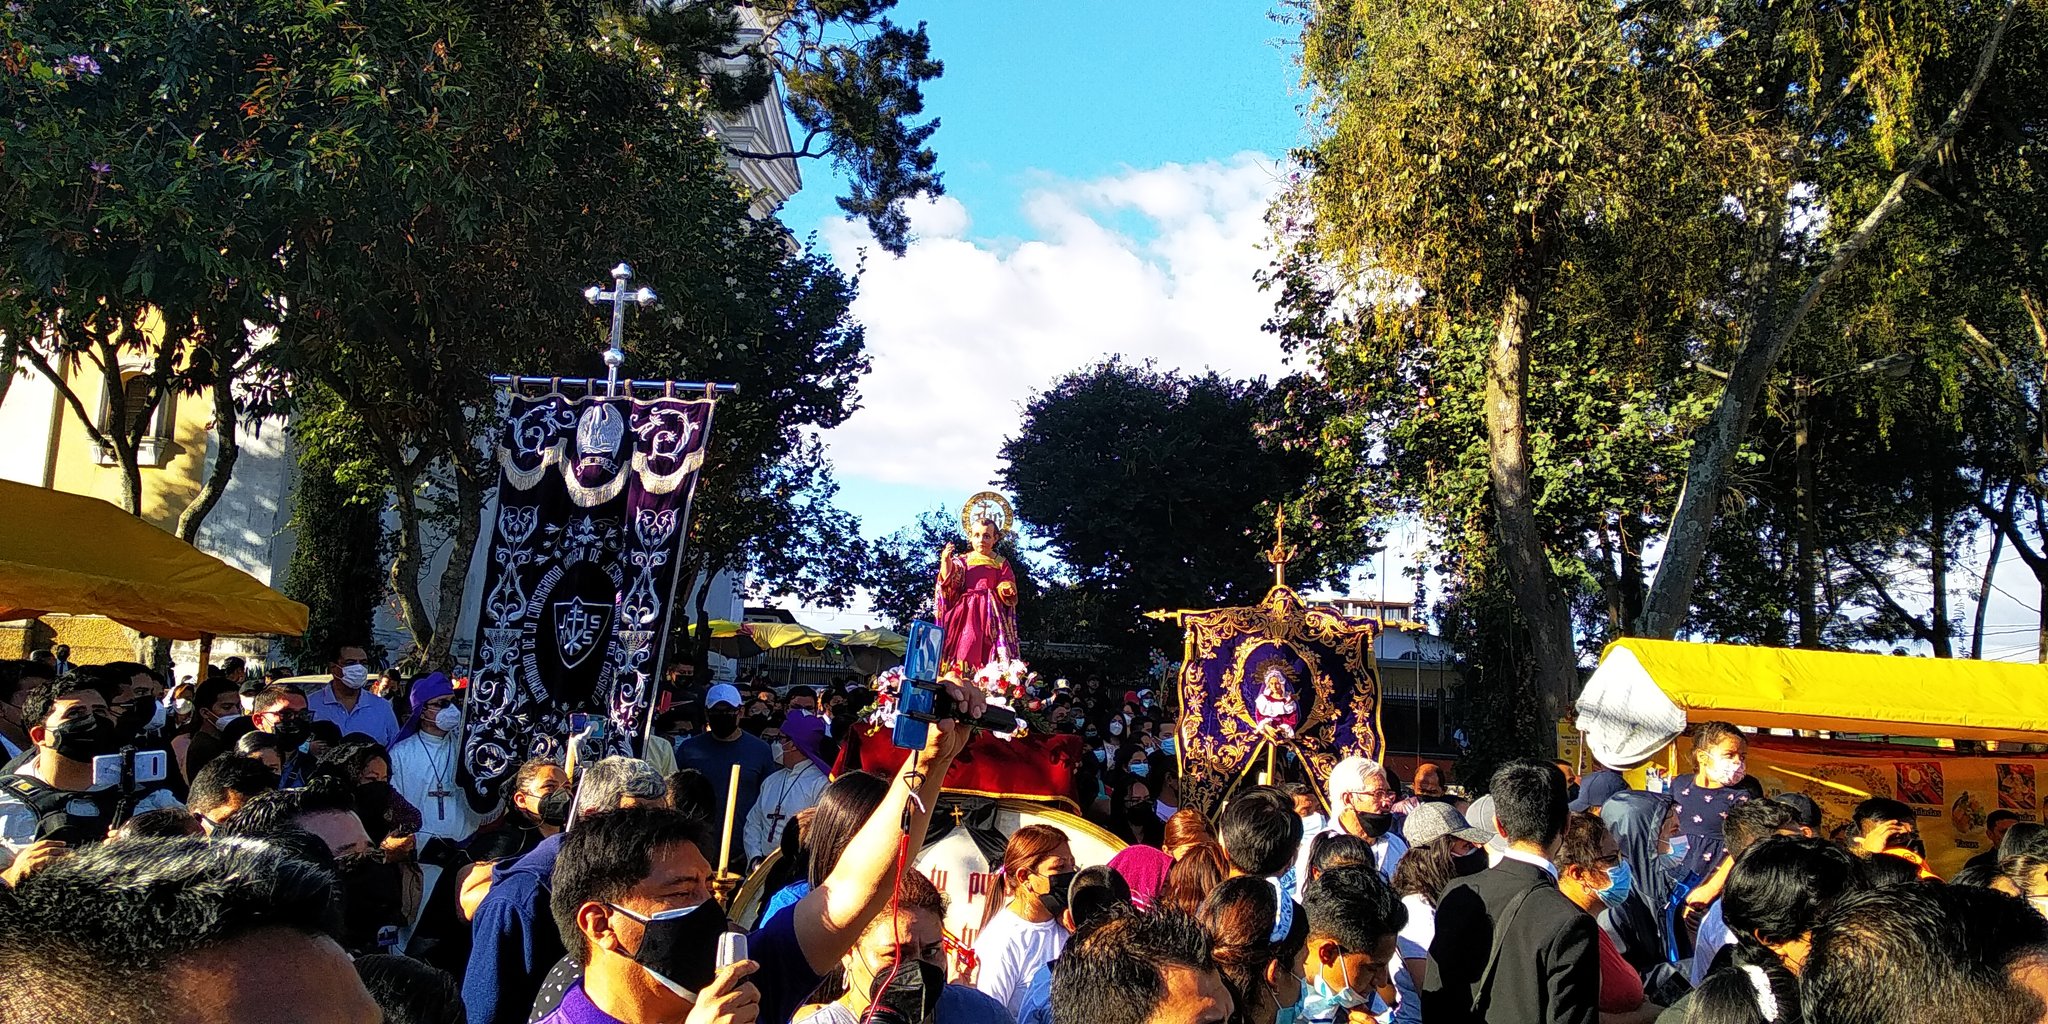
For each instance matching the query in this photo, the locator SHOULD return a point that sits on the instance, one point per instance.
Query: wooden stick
(732, 803)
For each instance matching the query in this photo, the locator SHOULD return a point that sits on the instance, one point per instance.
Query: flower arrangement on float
(1007, 684)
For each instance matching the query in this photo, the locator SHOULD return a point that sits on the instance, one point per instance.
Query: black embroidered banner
(593, 504)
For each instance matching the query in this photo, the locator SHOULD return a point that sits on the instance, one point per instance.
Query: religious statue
(977, 592)
(1276, 708)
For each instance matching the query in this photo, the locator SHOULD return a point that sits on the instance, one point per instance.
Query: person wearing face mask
(283, 715)
(1442, 848)
(424, 761)
(1097, 896)
(1705, 796)
(215, 707)
(724, 744)
(1026, 933)
(897, 971)
(53, 803)
(17, 678)
(1645, 826)
(1353, 921)
(347, 703)
(797, 786)
(1260, 941)
(1592, 873)
(1362, 805)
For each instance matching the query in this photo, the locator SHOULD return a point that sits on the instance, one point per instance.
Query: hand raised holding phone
(730, 998)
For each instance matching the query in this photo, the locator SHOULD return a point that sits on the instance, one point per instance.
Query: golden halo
(987, 505)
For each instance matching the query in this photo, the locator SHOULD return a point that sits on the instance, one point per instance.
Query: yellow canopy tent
(1645, 693)
(746, 639)
(76, 555)
(880, 639)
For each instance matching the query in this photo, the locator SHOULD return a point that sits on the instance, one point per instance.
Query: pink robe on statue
(980, 625)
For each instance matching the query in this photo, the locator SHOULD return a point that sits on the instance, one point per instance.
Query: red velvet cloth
(1034, 767)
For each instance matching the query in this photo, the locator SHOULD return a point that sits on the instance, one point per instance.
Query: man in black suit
(1510, 948)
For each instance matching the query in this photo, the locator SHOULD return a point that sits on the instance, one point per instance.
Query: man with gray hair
(1362, 805)
(515, 938)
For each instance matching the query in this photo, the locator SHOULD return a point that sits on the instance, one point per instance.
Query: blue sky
(1132, 143)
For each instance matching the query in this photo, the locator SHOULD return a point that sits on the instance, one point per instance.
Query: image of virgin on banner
(1278, 675)
(580, 573)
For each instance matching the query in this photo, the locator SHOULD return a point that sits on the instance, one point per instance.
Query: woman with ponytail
(1776, 892)
(1260, 942)
(1026, 933)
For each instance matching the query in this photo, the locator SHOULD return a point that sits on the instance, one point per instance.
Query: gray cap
(1482, 811)
(1433, 819)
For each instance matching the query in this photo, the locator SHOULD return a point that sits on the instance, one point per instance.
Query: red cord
(895, 926)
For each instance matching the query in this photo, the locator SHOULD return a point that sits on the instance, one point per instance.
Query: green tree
(1156, 490)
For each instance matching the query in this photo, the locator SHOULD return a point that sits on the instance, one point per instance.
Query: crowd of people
(304, 854)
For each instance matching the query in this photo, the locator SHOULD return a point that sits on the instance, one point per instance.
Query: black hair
(800, 691)
(1094, 895)
(411, 992)
(162, 823)
(1882, 808)
(258, 742)
(1353, 907)
(284, 808)
(1259, 831)
(212, 690)
(346, 760)
(690, 792)
(605, 856)
(1751, 822)
(35, 709)
(1886, 869)
(843, 808)
(1887, 955)
(94, 937)
(1340, 850)
(2000, 815)
(1529, 801)
(224, 775)
(1780, 887)
(1116, 974)
(1977, 874)
(14, 679)
(1241, 916)
(2026, 839)
(1806, 812)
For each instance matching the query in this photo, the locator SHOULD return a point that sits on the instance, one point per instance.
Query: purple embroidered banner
(1302, 675)
(593, 504)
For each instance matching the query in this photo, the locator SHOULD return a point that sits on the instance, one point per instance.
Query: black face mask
(290, 734)
(134, 719)
(1376, 825)
(1471, 863)
(554, 808)
(372, 907)
(722, 723)
(911, 996)
(85, 737)
(683, 950)
(1055, 900)
(373, 805)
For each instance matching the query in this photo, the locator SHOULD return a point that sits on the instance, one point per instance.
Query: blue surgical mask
(1294, 1012)
(1681, 844)
(1169, 745)
(1620, 881)
(1139, 769)
(1322, 1003)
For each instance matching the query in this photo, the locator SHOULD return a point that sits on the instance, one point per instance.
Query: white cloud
(1155, 263)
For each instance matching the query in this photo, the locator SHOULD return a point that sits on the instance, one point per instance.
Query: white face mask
(181, 707)
(157, 714)
(248, 706)
(354, 676)
(226, 720)
(776, 751)
(448, 719)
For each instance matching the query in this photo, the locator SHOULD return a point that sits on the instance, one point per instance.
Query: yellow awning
(70, 554)
(1645, 692)
(746, 639)
(880, 639)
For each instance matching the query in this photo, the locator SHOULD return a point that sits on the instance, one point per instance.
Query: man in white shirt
(1361, 804)
(797, 786)
(424, 760)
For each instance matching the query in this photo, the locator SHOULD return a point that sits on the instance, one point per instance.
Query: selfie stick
(732, 802)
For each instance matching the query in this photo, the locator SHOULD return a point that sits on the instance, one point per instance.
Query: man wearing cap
(803, 777)
(423, 760)
(724, 744)
(1595, 788)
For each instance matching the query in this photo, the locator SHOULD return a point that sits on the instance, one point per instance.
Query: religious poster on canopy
(580, 572)
(1951, 794)
(1278, 675)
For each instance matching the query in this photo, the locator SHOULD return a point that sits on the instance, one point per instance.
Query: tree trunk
(1984, 584)
(1937, 571)
(408, 558)
(1521, 541)
(469, 509)
(1714, 450)
(1808, 552)
(226, 421)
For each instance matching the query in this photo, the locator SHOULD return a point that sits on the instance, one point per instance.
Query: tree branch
(800, 153)
(1921, 630)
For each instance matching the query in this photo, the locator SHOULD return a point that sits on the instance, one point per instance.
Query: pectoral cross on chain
(441, 802)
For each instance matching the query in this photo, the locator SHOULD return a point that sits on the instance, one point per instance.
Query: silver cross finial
(615, 356)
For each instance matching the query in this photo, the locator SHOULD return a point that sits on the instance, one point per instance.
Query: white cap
(723, 693)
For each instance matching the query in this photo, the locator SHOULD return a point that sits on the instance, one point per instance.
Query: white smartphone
(732, 948)
(150, 766)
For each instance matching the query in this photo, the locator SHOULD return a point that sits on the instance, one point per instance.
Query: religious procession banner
(1277, 674)
(1950, 793)
(593, 504)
